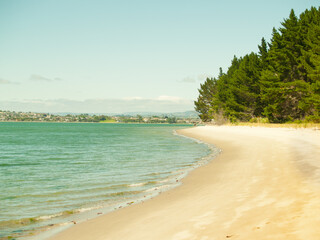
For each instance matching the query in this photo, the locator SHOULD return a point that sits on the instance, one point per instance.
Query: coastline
(79, 181)
(264, 185)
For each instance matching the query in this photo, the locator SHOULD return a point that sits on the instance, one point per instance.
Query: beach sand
(265, 184)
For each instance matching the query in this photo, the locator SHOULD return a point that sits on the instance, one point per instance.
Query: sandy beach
(265, 184)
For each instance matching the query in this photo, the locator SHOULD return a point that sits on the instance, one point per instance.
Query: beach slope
(265, 184)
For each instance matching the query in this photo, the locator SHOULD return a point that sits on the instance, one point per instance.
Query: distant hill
(187, 114)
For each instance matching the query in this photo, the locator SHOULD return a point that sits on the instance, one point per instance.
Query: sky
(121, 56)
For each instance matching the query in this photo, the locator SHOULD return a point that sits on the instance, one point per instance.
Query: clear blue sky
(119, 56)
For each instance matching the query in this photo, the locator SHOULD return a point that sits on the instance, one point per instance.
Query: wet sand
(265, 184)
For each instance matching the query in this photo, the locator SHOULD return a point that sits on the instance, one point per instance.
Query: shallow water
(51, 171)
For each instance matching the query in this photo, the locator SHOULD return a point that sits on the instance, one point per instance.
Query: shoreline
(49, 225)
(61, 205)
(264, 185)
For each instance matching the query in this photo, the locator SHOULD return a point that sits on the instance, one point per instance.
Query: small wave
(156, 174)
(164, 180)
(157, 188)
(49, 216)
(17, 222)
(123, 193)
(153, 174)
(137, 184)
(81, 210)
(178, 172)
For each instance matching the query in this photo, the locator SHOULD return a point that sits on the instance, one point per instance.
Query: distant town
(12, 116)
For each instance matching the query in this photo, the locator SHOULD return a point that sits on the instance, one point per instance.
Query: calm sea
(54, 173)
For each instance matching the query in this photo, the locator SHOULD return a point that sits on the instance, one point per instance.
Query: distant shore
(264, 185)
(169, 118)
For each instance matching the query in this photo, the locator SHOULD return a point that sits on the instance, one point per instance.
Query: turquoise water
(53, 173)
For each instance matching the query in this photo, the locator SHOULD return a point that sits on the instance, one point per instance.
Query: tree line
(280, 83)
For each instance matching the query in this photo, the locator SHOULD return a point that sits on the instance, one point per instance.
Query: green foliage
(172, 120)
(207, 93)
(281, 83)
(140, 118)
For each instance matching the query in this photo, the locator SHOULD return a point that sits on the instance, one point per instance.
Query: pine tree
(263, 53)
(281, 82)
(310, 59)
(203, 104)
(284, 97)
